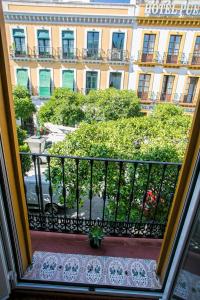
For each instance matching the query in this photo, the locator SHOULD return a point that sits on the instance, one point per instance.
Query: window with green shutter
(45, 83)
(68, 79)
(19, 41)
(22, 77)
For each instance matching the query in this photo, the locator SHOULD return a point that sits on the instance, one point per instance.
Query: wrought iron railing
(118, 55)
(125, 197)
(150, 57)
(93, 54)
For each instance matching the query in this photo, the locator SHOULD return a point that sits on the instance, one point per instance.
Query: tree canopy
(63, 108)
(146, 138)
(70, 108)
(24, 107)
(110, 104)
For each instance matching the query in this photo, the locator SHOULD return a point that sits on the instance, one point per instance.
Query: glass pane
(118, 40)
(115, 80)
(91, 80)
(188, 283)
(92, 40)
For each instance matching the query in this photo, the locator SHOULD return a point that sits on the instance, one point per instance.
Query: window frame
(50, 38)
(12, 27)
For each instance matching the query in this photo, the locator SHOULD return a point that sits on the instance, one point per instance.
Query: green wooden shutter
(68, 79)
(22, 77)
(45, 83)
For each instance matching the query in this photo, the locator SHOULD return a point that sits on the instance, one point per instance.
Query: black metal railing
(125, 197)
(117, 55)
(93, 54)
(160, 96)
(150, 57)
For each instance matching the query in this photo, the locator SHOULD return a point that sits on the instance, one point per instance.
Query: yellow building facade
(84, 45)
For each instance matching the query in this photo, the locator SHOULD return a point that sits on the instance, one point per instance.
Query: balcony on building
(85, 196)
(118, 56)
(93, 54)
(148, 58)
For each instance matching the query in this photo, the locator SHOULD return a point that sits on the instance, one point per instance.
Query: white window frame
(84, 78)
(12, 27)
(68, 69)
(29, 75)
(38, 77)
(50, 35)
(122, 78)
(61, 29)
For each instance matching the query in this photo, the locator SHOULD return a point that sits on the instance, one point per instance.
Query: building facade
(151, 48)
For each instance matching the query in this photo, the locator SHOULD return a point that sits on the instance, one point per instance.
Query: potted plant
(96, 235)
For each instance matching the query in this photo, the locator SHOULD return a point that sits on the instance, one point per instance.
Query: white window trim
(118, 31)
(29, 76)
(68, 69)
(61, 29)
(38, 77)
(25, 34)
(50, 35)
(122, 78)
(95, 30)
(84, 78)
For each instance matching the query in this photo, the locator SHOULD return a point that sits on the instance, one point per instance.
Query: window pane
(115, 80)
(118, 40)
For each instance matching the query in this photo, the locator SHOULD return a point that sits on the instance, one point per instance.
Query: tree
(63, 108)
(23, 147)
(139, 138)
(24, 107)
(111, 104)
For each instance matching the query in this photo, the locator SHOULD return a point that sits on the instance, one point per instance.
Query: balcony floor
(111, 246)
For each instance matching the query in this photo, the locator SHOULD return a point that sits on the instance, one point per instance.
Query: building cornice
(22, 17)
(169, 21)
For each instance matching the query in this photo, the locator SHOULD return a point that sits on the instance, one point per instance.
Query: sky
(113, 1)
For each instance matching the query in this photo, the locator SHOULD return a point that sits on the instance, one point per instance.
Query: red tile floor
(111, 246)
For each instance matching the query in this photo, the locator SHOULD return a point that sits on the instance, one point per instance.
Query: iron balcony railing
(125, 197)
(150, 57)
(93, 54)
(151, 96)
(117, 55)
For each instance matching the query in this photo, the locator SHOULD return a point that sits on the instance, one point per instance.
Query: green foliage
(64, 108)
(110, 104)
(147, 138)
(24, 107)
(96, 233)
(70, 108)
(23, 147)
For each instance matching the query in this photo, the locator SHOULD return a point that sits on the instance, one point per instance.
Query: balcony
(68, 55)
(125, 198)
(150, 58)
(116, 56)
(93, 55)
(20, 54)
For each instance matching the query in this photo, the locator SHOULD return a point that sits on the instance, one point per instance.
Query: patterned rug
(93, 270)
(188, 286)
